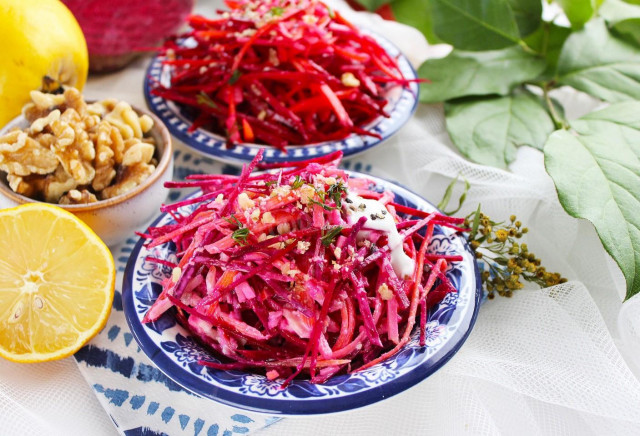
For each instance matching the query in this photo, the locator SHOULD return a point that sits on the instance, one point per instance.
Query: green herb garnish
(335, 193)
(330, 235)
(233, 221)
(277, 11)
(234, 77)
(240, 235)
(505, 263)
(332, 14)
(297, 183)
(205, 100)
(323, 205)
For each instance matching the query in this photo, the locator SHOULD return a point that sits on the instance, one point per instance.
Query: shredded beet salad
(299, 270)
(279, 72)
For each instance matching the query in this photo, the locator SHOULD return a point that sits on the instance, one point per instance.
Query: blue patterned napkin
(140, 399)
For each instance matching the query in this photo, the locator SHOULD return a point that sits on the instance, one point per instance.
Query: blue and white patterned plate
(402, 103)
(175, 351)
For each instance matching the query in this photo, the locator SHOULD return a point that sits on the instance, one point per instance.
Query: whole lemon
(39, 38)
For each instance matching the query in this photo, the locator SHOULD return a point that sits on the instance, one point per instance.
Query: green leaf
(415, 13)
(372, 5)
(464, 73)
(548, 40)
(474, 24)
(596, 170)
(489, 131)
(578, 11)
(623, 18)
(595, 62)
(528, 15)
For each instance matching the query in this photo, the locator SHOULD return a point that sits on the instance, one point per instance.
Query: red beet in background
(117, 31)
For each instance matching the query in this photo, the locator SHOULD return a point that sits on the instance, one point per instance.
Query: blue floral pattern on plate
(172, 348)
(402, 104)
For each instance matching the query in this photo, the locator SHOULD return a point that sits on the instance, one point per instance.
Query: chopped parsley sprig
(330, 235)
(336, 191)
(241, 234)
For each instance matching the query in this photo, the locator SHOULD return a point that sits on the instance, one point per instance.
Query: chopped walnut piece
(146, 123)
(102, 107)
(138, 153)
(129, 178)
(117, 143)
(74, 151)
(64, 133)
(104, 162)
(73, 100)
(28, 186)
(38, 125)
(44, 100)
(78, 197)
(104, 175)
(45, 139)
(21, 155)
(41, 104)
(90, 122)
(120, 117)
(70, 116)
(56, 184)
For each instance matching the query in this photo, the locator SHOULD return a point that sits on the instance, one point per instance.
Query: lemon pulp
(56, 283)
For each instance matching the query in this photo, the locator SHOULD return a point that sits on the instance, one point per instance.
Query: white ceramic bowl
(115, 219)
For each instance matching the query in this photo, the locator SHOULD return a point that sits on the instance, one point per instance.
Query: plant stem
(557, 119)
(527, 49)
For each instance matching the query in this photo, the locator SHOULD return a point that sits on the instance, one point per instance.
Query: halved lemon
(57, 279)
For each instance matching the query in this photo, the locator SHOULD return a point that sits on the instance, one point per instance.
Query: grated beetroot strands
(279, 72)
(273, 273)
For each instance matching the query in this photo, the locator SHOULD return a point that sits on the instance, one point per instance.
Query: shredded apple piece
(316, 285)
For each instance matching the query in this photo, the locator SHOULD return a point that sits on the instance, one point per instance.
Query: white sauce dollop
(358, 207)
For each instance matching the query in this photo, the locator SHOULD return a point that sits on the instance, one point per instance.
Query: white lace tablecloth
(563, 360)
